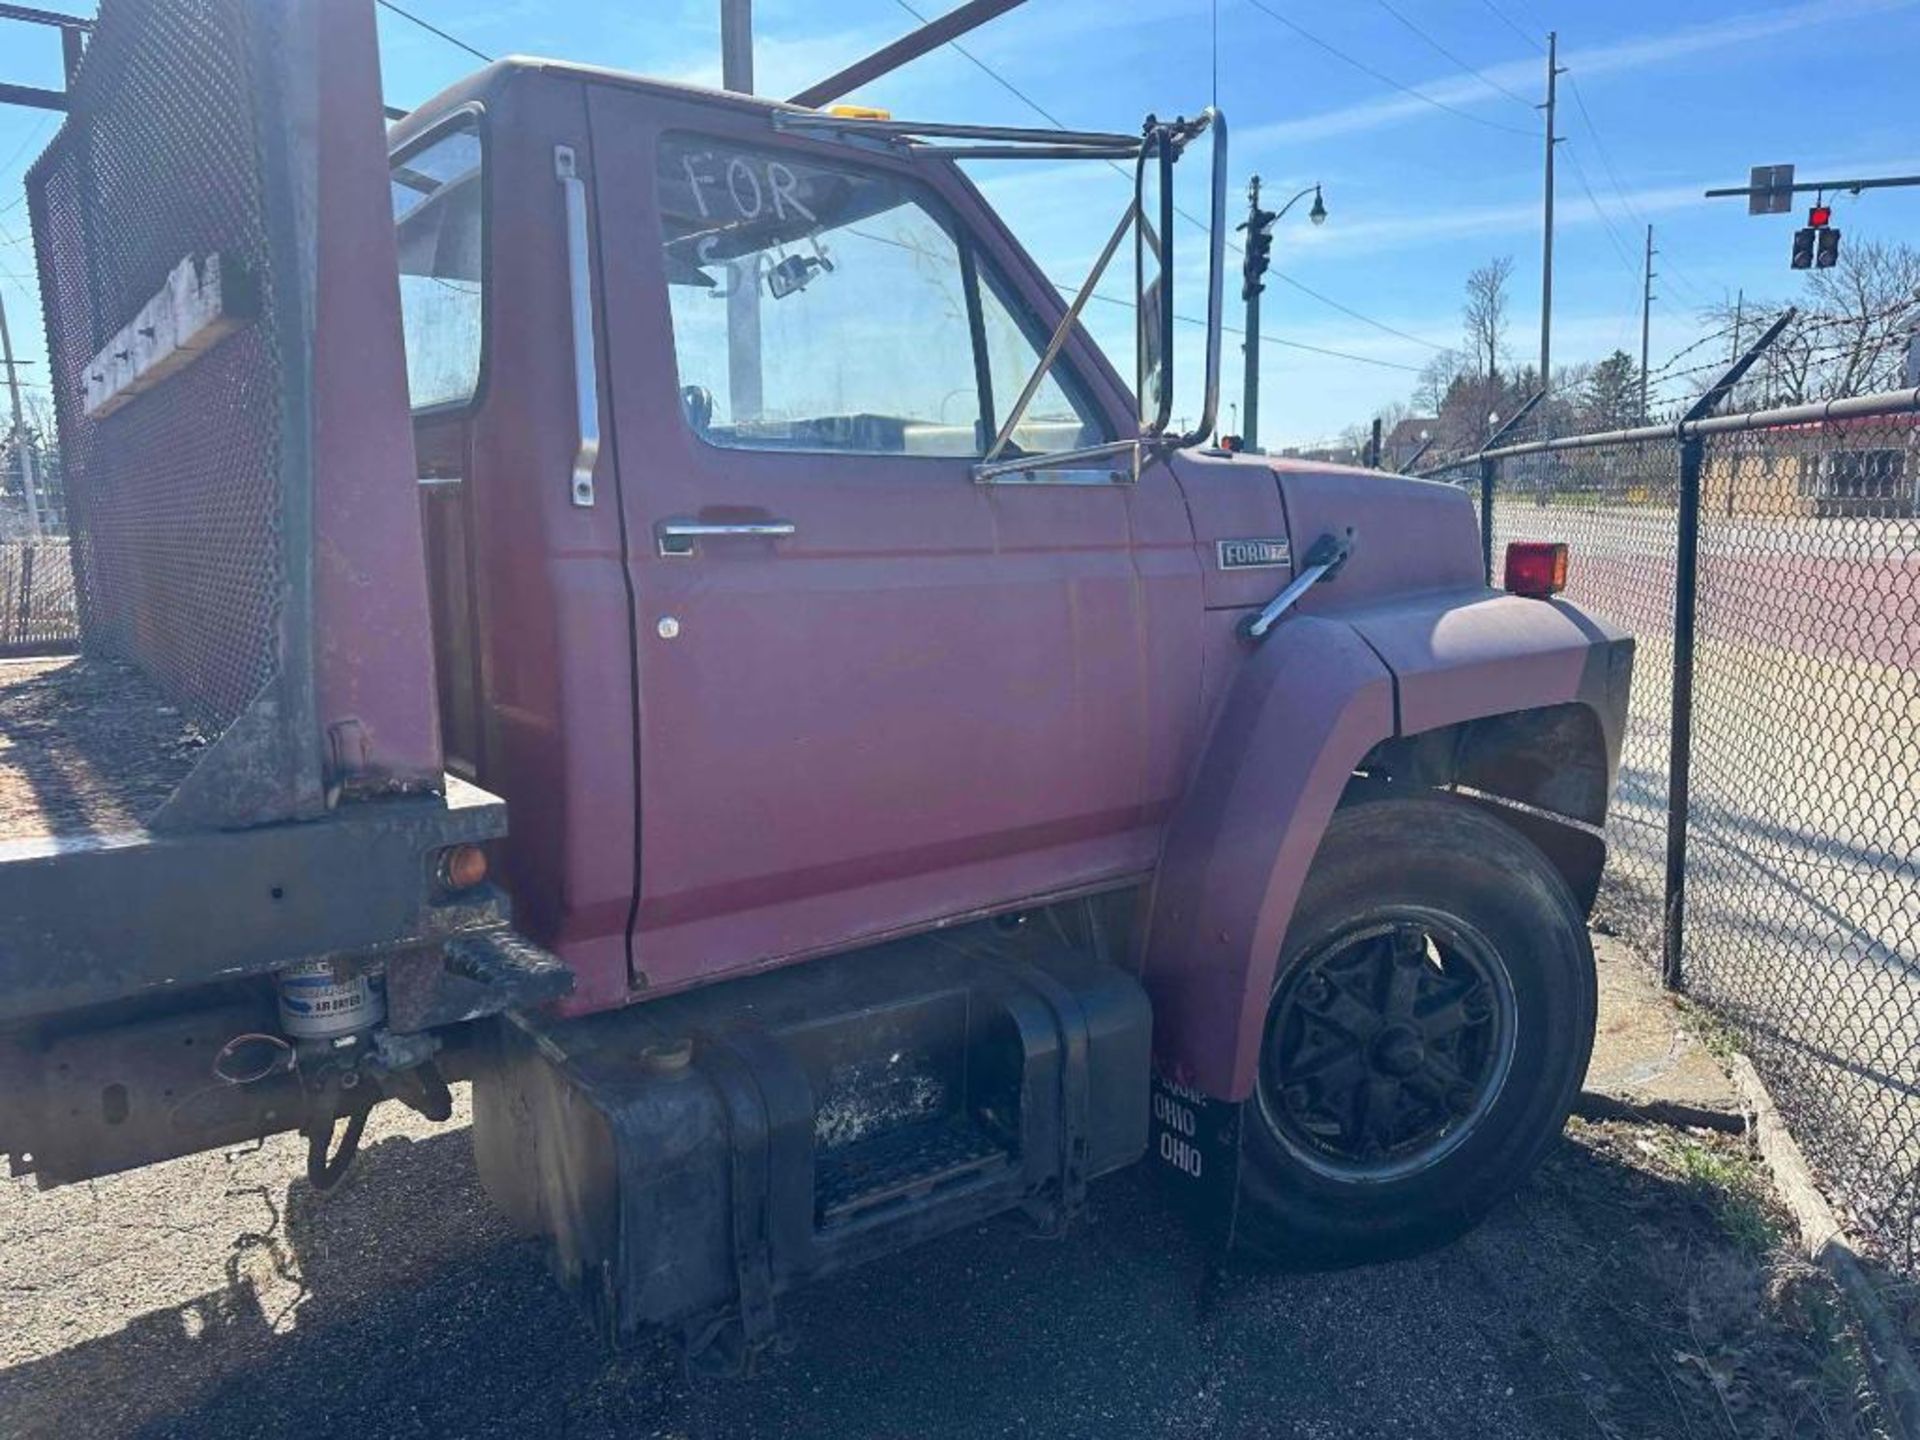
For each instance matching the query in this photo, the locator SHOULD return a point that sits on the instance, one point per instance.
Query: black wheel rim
(1387, 1046)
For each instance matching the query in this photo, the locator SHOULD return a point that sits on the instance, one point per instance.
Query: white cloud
(1633, 54)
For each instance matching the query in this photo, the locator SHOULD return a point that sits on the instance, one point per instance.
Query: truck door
(872, 691)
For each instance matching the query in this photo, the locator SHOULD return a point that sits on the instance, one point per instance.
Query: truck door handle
(678, 537)
(586, 384)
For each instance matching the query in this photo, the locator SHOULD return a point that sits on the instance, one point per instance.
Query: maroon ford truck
(934, 782)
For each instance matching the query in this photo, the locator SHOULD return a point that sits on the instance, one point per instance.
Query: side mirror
(1153, 251)
(1153, 280)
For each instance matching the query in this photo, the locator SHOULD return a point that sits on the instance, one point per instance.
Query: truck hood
(1409, 535)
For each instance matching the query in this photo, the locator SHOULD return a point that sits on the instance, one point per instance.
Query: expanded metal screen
(1801, 873)
(174, 500)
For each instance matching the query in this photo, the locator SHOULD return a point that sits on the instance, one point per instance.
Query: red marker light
(1820, 215)
(1536, 569)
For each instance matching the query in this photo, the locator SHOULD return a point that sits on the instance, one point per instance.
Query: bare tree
(1868, 303)
(1359, 436)
(1849, 338)
(1436, 378)
(1484, 314)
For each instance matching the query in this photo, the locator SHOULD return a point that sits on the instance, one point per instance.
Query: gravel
(219, 1296)
(87, 745)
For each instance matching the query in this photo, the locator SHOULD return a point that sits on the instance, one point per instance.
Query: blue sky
(1661, 101)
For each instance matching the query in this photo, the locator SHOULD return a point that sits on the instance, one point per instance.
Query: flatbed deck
(88, 746)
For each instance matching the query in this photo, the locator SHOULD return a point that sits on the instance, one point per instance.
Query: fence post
(1686, 575)
(1489, 471)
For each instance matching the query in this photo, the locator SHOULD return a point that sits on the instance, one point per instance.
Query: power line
(1383, 78)
(1188, 216)
(1444, 52)
(1507, 20)
(1058, 124)
(34, 136)
(1613, 238)
(1606, 161)
(1064, 290)
(1633, 211)
(1264, 339)
(1380, 325)
(432, 29)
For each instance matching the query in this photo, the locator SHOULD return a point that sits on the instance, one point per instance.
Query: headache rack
(250, 731)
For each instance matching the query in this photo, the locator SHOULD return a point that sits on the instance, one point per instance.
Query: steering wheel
(697, 402)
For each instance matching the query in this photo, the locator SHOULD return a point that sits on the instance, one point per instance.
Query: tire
(1429, 1026)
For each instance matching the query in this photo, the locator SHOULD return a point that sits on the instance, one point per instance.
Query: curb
(1599, 1105)
(1896, 1377)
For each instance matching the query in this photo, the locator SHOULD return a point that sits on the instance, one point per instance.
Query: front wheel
(1431, 1021)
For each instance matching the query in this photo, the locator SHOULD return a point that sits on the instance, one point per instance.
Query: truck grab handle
(1323, 562)
(586, 383)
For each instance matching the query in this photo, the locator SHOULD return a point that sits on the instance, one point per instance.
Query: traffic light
(1259, 228)
(1829, 253)
(1803, 247)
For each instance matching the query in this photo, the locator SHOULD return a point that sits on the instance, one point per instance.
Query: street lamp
(1259, 227)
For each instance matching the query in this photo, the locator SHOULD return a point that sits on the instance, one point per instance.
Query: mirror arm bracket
(1058, 340)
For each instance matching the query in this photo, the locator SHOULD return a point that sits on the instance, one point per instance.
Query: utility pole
(744, 394)
(736, 45)
(27, 480)
(1554, 71)
(1646, 323)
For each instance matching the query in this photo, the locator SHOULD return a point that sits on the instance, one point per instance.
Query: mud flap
(1195, 1149)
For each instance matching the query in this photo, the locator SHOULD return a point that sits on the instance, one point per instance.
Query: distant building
(1866, 466)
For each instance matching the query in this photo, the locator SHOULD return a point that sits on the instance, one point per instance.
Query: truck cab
(785, 658)
(720, 659)
(794, 679)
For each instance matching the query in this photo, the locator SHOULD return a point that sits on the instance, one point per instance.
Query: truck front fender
(1306, 706)
(1304, 711)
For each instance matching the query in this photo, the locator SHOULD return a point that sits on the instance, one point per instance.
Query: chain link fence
(39, 610)
(1765, 837)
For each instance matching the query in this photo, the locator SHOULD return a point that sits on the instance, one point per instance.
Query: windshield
(437, 215)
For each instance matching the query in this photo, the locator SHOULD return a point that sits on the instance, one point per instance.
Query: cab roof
(488, 81)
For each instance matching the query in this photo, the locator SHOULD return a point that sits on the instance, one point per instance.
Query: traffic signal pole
(1250, 401)
(1259, 228)
(1253, 269)
(1770, 190)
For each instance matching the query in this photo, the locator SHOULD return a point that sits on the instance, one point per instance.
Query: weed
(1733, 1188)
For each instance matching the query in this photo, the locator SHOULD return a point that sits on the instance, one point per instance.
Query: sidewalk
(1644, 1054)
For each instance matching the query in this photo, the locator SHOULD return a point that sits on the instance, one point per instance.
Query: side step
(903, 1166)
(695, 1156)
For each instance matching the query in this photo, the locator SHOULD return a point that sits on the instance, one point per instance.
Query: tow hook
(345, 1083)
(1323, 562)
